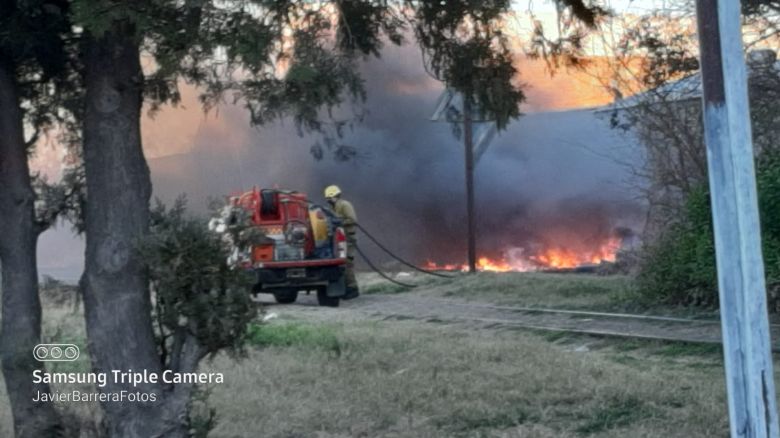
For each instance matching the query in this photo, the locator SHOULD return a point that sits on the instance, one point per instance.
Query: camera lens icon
(41, 352)
(71, 352)
(56, 352)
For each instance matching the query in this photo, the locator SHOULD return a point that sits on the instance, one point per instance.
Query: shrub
(680, 268)
(197, 293)
(201, 302)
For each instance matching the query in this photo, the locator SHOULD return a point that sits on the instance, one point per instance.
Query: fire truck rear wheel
(286, 296)
(324, 300)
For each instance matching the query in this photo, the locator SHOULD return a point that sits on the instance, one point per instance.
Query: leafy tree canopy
(36, 49)
(282, 58)
(30, 36)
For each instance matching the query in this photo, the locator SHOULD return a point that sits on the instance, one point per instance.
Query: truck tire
(286, 296)
(324, 300)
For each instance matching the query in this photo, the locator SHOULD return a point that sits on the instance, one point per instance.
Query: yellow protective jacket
(346, 212)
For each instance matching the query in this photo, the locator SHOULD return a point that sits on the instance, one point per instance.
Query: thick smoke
(539, 184)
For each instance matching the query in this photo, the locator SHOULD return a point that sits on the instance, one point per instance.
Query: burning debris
(545, 258)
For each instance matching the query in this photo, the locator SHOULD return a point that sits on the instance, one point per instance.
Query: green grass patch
(295, 335)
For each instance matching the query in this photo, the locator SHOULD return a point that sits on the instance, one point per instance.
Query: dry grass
(405, 379)
(544, 290)
(63, 322)
(328, 378)
(573, 291)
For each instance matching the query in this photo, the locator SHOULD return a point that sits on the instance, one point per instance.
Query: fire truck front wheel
(286, 296)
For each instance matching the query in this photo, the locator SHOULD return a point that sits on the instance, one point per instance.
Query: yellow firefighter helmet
(332, 191)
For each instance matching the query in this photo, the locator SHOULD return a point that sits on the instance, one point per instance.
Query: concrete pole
(746, 344)
(468, 143)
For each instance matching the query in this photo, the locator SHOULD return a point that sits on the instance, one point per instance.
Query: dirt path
(485, 315)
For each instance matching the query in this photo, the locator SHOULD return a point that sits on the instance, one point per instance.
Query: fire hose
(404, 262)
(386, 250)
(381, 274)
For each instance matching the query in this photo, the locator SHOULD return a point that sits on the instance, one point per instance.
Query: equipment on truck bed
(304, 246)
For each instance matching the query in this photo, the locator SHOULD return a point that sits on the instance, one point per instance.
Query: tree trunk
(21, 313)
(116, 292)
(116, 295)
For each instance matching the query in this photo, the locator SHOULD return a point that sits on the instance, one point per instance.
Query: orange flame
(548, 258)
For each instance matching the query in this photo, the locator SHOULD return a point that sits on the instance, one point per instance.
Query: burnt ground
(484, 315)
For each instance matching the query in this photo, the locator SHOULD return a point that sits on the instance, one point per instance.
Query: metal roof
(687, 88)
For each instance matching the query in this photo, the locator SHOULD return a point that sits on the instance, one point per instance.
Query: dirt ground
(487, 315)
(585, 309)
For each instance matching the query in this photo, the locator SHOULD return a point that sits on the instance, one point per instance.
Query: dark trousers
(349, 272)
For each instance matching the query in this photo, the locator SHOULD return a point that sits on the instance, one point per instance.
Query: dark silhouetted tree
(36, 83)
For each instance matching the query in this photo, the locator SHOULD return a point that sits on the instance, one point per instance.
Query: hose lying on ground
(382, 274)
(383, 248)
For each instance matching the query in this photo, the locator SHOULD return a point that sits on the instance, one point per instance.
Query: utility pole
(475, 143)
(741, 283)
(468, 141)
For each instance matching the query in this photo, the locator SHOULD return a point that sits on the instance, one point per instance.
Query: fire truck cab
(304, 249)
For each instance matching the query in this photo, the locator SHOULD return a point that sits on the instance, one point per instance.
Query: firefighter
(346, 212)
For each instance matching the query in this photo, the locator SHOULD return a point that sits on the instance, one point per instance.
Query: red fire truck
(304, 248)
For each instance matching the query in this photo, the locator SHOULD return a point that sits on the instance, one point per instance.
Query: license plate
(296, 273)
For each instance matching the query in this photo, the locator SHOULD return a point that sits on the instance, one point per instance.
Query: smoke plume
(539, 184)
